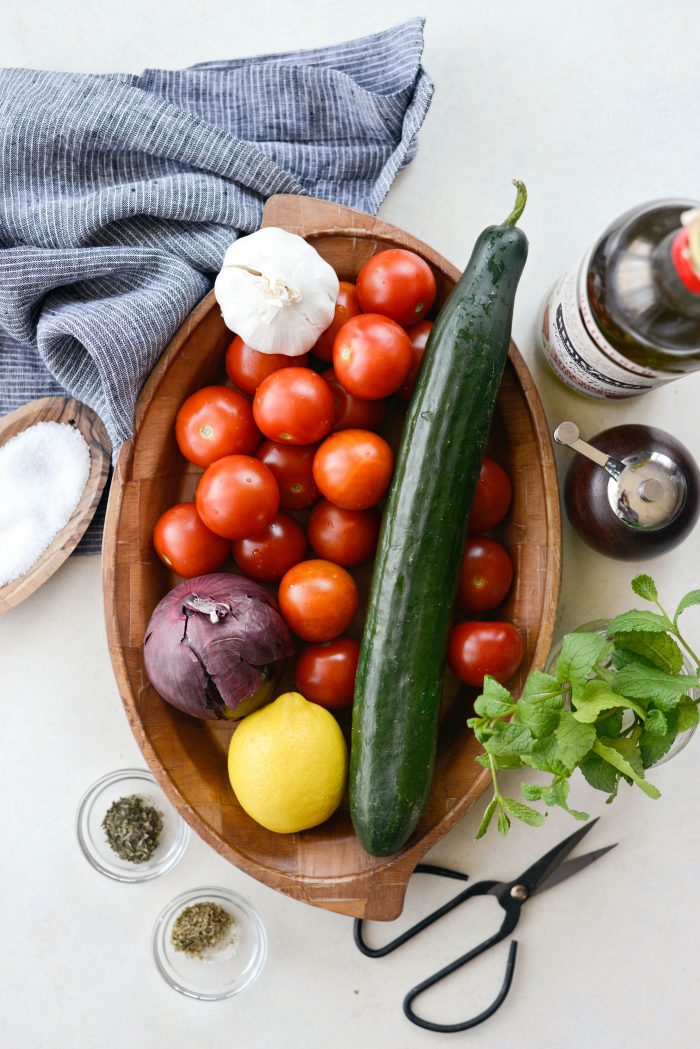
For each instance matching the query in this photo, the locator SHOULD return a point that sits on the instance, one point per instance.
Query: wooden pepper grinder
(635, 495)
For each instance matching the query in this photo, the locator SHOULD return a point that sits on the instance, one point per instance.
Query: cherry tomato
(398, 284)
(347, 305)
(215, 422)
(353, 468)
(325, 673)
(418, 334)
(294, 406)
(491, 499)
(485, 575)
(237, 496)
(292, 466)
(351, 413)
(371, 356)
(268, 556)
(184, 543)
(347, 537)
(477, 649)
(247, 367)
(318, 600)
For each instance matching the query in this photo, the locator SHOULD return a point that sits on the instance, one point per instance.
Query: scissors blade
(569, 867)
(533, 877)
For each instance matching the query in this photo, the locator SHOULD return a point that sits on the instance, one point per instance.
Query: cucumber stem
(520, 200)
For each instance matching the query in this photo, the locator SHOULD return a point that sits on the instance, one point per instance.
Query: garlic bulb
(276, 291)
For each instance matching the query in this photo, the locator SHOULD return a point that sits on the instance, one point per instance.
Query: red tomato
(247, 367)
(237, 496)
(292, 466)
(397, 283)
(347, 537)
(325, 673)
(347, 305)
(351, 413)
(353, 468)
(371, 356)
(477, 649)
(215, 422)
(318, 600)
(418, 334)
(268, 556)
(185, 544)
(485, 575)
(491, 499)
(294, 406)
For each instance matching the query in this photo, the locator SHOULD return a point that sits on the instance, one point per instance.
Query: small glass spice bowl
(92, 838)
(224, 970)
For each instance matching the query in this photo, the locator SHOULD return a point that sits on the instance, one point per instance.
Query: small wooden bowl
(325, 866)
(74, 413)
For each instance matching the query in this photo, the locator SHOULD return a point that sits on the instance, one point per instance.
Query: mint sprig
(612, 708)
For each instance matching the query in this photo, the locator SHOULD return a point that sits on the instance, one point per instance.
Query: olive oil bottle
(627, 317)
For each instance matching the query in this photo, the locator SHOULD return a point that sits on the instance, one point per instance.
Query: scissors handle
(422, 868)
(510, 920)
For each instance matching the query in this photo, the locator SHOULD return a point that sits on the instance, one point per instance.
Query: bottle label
(577, 350)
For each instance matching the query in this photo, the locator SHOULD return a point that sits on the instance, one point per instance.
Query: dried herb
(200, 927)
(133, 828)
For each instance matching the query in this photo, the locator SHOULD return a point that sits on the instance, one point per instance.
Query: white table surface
(594, 106)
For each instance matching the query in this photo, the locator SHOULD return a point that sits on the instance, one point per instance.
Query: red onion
(216, 646)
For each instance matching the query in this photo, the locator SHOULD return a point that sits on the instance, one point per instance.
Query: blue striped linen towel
(119, 195)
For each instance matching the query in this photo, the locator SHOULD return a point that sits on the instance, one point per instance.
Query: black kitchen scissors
(546, 872)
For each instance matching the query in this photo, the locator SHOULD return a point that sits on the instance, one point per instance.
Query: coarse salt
(43, 473)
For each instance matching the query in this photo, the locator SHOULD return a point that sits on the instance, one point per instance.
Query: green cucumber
(400, 672)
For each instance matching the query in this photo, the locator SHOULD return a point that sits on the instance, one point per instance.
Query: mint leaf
(651, 685)
(611, 725)
(653, 746)
(486, 819)
(597, 696)
(650, 622)
(495, 701)
(540, 686)
(613, 757)
(506, 761)
(579, 654)
(523, 812)
(554, 794)
(645, 587)
(560, 793)
(687, 715)
(574, 739)
(503, 821)
(509, 738)
(655, 724)
(599, 773)
(692, 598)
(541, 718)
(562, 751)
(659, 649)
(628, 749)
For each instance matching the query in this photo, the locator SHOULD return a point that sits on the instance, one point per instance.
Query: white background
(594, 105)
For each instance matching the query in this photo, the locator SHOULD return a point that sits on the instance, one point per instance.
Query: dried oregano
(133, 828)
(200, 927)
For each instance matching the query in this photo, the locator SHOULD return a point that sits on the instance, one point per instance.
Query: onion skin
(216, 646)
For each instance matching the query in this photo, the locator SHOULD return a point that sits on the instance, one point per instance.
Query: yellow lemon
(288, 764)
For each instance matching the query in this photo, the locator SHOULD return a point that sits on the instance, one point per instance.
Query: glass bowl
(226, 969)
(600, 626)
(93, 841)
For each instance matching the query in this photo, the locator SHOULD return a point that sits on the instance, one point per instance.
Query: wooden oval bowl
(325, 866)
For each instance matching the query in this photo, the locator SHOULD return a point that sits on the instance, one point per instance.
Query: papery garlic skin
(276, 291)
